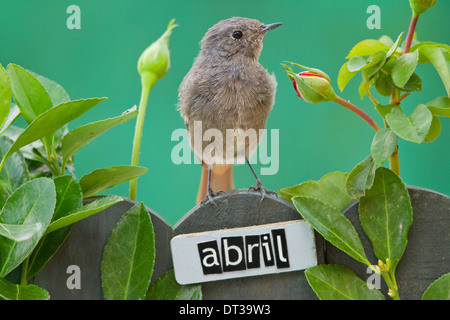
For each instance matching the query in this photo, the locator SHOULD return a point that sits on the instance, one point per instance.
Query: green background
(100, 60)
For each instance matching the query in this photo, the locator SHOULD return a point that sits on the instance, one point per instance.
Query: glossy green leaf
(329, 189)
(344, 76)
(383, 145)
(14, 113)
(360, 178)
(414, 84)
(386, 40)
(56, 92)
(439, 289)
(11, 291)
(14, 173)
(31, 203)
(332, 225)
(19, 232)
(440, 59)
(129, 256)
(366, 48)
(382, 84)
(102, 179)
(394, 47)
(77, 138)
(5, 95)
(336, 282)
(385, 214)
(413, 128)
(50, 121)
(29, 94)
(435, 130)
(167, 288)
(383, 110)
(404, 67)
(439, 107)
(356, 63)
(83, 212)
(68, 199)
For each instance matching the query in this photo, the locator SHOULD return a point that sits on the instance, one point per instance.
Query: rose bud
(420, 6)
(154, 62)
(312, 87)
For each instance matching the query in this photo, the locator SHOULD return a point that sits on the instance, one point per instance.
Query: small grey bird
(227, 88)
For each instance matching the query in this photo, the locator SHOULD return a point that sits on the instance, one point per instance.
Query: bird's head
(236, 37)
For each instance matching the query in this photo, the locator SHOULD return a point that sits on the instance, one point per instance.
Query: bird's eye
(236, 34)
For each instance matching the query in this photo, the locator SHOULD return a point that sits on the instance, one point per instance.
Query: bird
(227, 88)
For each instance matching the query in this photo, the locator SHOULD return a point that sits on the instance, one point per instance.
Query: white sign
(243, 252)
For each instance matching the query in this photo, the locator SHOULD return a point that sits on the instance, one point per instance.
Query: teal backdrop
(99, 60)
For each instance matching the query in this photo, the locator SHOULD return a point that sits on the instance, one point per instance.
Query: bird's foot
(259, 187)
(210, 196)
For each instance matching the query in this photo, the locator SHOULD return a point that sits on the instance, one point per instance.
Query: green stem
(358, 111)
(394, 162)
(148, 80)
(23, 278)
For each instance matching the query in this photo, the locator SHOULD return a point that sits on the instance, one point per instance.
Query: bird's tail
(221, 179)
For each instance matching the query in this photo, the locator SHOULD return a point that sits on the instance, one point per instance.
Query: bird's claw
(210, 195)
(259, 187)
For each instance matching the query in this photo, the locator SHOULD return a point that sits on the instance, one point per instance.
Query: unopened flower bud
(420, 6)
(155, 60)
(313, 87)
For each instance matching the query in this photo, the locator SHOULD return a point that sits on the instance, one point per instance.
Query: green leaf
(335, 282)
(439, 289)
(57, 93)
(50, 121)
(329, 189)
(5, 95)
(129, 256)
(435, 130)
(15, 172)
(83, 212)
(31, 203)
(167, 288)
(360, 178)
(414, 84)
(29, 94)
(356, 63)
(332, 225)
(383, 145)
(14, 113)
(366, 48)
(383, 110)
(77, 138)
(439, 107)
(394, 46)
(386, 214)
(344, 76)
(11, 291)
(19, 232)
(404, 67)
(440, 60)
(386, 40)
(382, 84)
(413, 128)
(102, 179)
(68, 199)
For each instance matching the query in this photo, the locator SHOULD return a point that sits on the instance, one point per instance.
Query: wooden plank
(426, 257)
(84, 247)
(239, 209)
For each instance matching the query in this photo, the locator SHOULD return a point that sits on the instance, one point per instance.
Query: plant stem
(358, 111)
(409, 37)
(148, 80)
(23, 278)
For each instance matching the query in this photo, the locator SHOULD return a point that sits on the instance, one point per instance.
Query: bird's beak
(271, 26)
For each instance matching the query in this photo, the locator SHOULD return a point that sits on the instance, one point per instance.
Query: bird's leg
(259, 186)
(210, 194)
